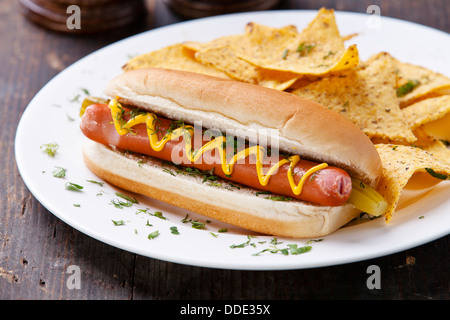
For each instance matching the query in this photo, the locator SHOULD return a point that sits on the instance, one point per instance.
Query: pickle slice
(367, 199)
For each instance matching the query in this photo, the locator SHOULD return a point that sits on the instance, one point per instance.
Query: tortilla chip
(176, 57)
(431, 144)
(367, 97)
(221, 53)
(427, 111)
(239, 42)
(224, 59)
(350, 36)
(416, 83)
(399, 164)
(317, 50)
(237, 39)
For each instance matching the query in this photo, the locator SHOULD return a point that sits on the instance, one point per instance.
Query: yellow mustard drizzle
(297, 189)
(187, 131)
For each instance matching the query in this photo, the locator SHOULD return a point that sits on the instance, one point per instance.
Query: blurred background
(39, 28)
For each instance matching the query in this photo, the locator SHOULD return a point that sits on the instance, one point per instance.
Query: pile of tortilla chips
(398, 105)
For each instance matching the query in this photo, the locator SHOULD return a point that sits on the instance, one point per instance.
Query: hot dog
(329, 186)
(317, 179)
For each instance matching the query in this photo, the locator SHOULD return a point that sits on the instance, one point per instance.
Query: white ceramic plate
(52, 116)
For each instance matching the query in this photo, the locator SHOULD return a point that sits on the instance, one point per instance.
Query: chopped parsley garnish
(73, 186)
(125, 201)
(126, 197)
(244, 244)
(141, 211)
(69, 117)
(158, 214)
(118, 203)
(185, 219)
(169, 172)
(153, 235)
(314, 240)
(59, 172)
(207, 175)
(407, 88)
(197, 225)
(262, 192)
(313, 176)
(329, 54)
(96, 182)
(437, 175)
(278, 198)
(118, 223)
(304, 48)
(292, 249)
(174, 230)
(76, 98)
(133, 113)
(275, 241)
(50, 148)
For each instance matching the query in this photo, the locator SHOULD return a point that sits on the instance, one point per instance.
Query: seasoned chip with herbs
(399, 164)
(176, 57)
(427, 111)
(429, 143)
(222, 54)
(319, 49)
(416, 83)
(223, 58)
(366, 96)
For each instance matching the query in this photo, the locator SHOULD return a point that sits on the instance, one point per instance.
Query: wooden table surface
(36, 248)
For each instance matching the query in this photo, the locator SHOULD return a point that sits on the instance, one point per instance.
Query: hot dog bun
(303, 126)
(238, 207)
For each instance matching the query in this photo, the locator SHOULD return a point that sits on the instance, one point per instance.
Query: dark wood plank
(36, 248)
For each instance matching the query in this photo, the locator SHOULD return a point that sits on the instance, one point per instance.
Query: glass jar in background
(83, 16)
(192, 9)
